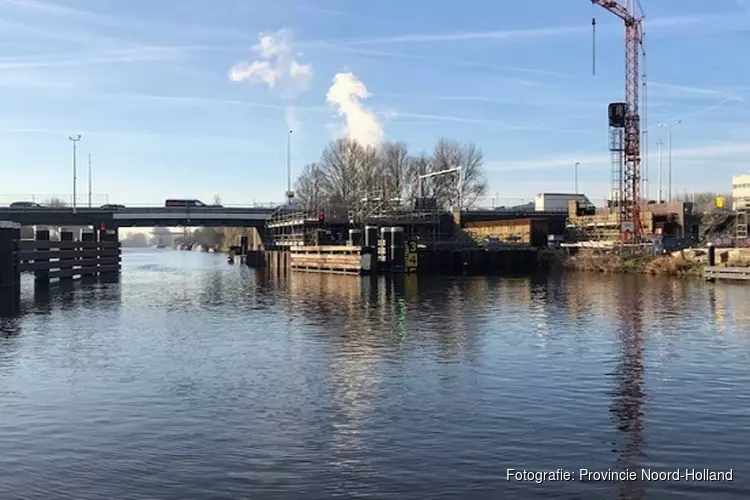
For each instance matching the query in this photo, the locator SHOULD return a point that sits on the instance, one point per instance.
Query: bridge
(252, 216)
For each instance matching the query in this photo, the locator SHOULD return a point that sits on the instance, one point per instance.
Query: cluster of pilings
(96, 254)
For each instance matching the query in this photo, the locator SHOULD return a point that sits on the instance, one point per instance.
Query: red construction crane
(625, 125)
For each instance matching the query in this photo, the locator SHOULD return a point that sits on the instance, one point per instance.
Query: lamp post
(659, 193)
(89, 180)
(74, 139)
(289, 194)
(669, 161)
(575, 173)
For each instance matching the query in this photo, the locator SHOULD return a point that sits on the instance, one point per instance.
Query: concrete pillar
(355, 237)
(397, 248)
(41, 277)
(10, 276)
(371, 237)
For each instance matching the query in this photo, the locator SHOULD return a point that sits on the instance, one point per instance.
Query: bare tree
(349, 172)
(55, 202)
(341, 169)
(310, 187)
(469, 183)
(394, 169)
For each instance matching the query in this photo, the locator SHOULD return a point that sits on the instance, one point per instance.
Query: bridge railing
(141, 208)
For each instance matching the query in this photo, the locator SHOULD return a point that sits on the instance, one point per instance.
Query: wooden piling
(10, 276)
(41, 276)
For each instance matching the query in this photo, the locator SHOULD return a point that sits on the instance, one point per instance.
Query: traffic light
(321, 217)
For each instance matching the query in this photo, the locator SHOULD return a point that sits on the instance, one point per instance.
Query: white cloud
(277, 67)
(361, 124)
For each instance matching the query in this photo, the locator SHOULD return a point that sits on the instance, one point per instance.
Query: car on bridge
(25, 204)
(174, 203)
(112, 206)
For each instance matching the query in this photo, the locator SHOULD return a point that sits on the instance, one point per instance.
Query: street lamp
(89, 180)
(74, 139)
(659, 195)
(575, 170)
(289, 193)
(669, 146)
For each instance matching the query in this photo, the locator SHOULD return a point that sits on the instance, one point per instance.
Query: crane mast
(625, 126)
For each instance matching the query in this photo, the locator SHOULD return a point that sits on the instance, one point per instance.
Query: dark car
(173, 203)
(112, 206)
(25, 204)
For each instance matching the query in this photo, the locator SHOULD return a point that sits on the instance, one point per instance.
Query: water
(194, 379)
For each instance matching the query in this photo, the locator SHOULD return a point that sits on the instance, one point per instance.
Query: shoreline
(673, 266)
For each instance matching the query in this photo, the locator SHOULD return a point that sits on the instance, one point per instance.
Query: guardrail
(141, 209)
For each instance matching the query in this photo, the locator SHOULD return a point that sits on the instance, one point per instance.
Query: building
(558, 202)
(740, 191)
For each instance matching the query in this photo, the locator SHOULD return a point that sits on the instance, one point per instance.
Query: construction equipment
(625, 125)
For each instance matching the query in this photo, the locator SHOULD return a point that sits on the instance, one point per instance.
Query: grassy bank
(669, 265)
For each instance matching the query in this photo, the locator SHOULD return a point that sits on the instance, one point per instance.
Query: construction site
(631, 223)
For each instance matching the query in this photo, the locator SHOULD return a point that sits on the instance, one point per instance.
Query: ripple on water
(194, 379)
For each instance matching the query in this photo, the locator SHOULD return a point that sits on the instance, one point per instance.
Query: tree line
(348, 172)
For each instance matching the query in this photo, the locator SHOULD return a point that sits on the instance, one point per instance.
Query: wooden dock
(330, 259)
(727, 273)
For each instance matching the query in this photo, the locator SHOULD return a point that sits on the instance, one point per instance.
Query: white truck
(558, 202)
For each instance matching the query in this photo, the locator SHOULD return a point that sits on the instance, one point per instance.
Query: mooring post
(88, 256)
(66, 236)
(41, 276)
(711, 254)
(10, 275)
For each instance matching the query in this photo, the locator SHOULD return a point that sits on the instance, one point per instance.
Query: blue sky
(147, 84)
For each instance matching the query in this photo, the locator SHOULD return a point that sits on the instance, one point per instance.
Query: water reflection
(629, 394)
(223, 380)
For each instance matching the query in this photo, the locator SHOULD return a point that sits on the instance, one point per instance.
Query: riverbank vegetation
(667, 265)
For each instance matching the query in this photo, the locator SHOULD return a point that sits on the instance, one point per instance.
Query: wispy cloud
(531, 102)
(442, 61)
(140, 54)
(277, 68)
(55, 10)
(708, 151)
(208, 101)
(143, 135)
(504, 125)
(471, 36)
(691, 91)
(520, 34)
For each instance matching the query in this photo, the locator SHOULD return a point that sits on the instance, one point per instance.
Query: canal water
(195, 379)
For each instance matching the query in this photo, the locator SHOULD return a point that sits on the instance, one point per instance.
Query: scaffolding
(741, 238)
(310, 227)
